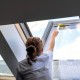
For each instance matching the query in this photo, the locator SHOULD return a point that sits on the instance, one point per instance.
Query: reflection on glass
(38, 27)
(67, 44)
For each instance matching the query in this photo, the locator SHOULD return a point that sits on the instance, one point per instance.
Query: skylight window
(38, 27)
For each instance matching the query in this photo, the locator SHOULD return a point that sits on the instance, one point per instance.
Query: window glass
(37, 28)
(4, 70)
(68, 43)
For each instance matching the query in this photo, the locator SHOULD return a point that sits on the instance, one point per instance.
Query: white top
(41, 70)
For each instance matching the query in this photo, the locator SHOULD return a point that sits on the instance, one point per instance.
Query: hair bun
(31, 49)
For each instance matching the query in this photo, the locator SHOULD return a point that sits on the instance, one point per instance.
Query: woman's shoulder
(23, 61)
(23, 65)
(47, 53)
(45, 56)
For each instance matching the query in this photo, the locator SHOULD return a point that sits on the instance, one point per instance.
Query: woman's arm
(52, 40)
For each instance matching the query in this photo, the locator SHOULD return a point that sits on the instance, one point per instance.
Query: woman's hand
(55, 33)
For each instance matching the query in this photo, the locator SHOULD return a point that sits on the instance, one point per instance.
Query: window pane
(4, 70)
(38, 27)
(68, 43)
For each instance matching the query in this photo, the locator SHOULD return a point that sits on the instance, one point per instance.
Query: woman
(35, 66)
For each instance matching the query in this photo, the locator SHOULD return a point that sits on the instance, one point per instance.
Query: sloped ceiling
(13, 11)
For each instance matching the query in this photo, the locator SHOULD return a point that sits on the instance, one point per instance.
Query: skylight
(37, 28)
